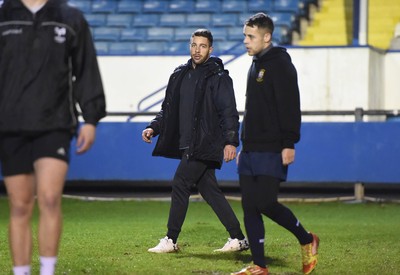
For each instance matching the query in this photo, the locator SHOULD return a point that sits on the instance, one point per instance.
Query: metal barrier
(358, 113)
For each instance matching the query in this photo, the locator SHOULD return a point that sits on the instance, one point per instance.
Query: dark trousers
(189, 173)
(260, 197)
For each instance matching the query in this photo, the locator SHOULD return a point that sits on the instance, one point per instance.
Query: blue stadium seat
(177, 48)
(122, 48)
(286, 5)
(198, 20)
(150, 48)
(219, 34)
(212, 6)
(129, 6)
(106, 34)
(255, 6)
(145, 20)
(96, 20)
(84, 6)
(172, 20)
(181, 6)
(216, 51)
(104, 6)
(282, 18)
(243, 17)
(133, 34)
(119, 20)
(101, 48)
(160, 34)
(224, 19)
(230, 47)
(234, 6)
(280, 34)
(155, 6)
(235, 33)
(183, 34)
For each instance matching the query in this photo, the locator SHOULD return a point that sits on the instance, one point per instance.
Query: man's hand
(86, 137)
(288, 156)
(147, 134)
(229, 153)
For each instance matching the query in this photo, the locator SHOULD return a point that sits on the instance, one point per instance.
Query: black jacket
(272, 117)
(215, 118)
(47, 65)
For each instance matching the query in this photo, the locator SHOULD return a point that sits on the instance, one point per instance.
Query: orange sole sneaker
(252, 270)
(310, 255)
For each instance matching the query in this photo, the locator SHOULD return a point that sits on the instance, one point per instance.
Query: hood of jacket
(210, 63)
(273, 53)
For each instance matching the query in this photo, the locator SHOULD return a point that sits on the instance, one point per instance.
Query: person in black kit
(270, 129)
(198, 123)
(47, 65)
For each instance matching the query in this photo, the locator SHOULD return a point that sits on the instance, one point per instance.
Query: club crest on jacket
(260, 77)
(60, 34)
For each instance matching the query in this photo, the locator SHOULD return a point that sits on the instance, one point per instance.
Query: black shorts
(18, 152)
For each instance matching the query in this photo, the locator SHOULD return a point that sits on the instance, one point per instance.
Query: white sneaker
(165, 246)
(234, 245)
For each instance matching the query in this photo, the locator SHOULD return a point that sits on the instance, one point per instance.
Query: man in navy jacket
(198, 123)
(271, 127)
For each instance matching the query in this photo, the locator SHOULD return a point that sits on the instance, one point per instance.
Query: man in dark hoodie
(271, 127)
(47, 65)
(198, 123)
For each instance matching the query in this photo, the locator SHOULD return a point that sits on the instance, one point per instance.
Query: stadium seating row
(186, 6)
(115, 23)
(180, 20)
(114, 34)
(162, 48)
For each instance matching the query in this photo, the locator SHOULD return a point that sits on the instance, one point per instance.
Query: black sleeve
(155, 124)
(88, 87)
(288, 102)
(225, 103)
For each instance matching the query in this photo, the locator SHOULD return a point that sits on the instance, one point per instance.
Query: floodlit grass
(113, 238)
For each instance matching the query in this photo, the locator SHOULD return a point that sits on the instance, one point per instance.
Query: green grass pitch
(112, 237)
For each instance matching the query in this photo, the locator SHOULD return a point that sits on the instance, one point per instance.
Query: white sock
(47, 265)
(22, 270)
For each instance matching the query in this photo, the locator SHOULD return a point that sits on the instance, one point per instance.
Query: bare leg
(50, 178)
(21, 194)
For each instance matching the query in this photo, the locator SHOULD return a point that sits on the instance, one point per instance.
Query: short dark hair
(204, 33)
(261, 20)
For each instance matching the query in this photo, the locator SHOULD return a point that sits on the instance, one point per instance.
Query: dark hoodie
(215, 120)
(47, 65)
(272, 114)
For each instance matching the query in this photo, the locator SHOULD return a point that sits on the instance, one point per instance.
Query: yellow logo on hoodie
(260, 77)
